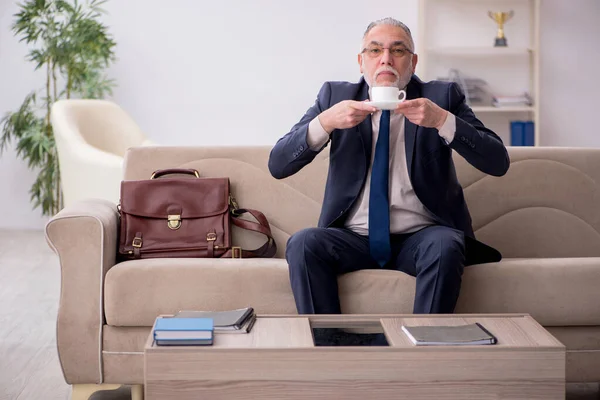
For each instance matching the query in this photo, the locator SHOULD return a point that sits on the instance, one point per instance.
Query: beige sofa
(544, 216)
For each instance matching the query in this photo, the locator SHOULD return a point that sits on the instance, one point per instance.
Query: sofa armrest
(84, 236)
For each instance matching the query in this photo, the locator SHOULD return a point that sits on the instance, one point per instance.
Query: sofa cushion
(137, 291)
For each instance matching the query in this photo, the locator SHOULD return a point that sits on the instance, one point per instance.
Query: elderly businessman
(392, 199)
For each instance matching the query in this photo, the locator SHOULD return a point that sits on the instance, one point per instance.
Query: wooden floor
(29, 291)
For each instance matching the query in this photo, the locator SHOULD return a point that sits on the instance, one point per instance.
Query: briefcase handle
(169, 171)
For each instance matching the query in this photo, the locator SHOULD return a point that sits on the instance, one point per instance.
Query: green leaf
(69, 38)
(15, 125)
(42, 191)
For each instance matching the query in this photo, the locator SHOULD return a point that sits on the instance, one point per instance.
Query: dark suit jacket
(429, 158)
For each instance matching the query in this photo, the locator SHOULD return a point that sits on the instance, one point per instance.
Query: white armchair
(92, 137)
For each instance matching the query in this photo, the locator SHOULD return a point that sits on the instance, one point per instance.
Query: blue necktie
(379, 205)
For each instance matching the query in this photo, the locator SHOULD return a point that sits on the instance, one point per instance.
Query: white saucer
(384, 105)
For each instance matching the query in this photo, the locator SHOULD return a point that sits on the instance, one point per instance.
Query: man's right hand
(345, 114)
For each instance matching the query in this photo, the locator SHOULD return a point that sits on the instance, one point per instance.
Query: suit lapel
(365, 128)
(410, 129)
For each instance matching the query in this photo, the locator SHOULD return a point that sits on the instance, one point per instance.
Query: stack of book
(232, 321)
(169, 331)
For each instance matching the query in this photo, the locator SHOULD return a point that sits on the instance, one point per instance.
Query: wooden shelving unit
(459, 34)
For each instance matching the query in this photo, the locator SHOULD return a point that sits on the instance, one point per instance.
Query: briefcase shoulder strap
(262, 226)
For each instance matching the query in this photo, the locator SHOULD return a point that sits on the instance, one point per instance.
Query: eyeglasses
(395, 51)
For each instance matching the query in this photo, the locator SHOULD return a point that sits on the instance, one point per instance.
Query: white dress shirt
(407, 213)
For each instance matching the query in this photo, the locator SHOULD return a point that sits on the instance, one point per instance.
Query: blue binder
(529, 135)
(517, 133)
(522, 133)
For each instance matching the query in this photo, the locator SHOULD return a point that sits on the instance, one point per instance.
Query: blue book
(171, 328)
(529, 134)
(517, 133)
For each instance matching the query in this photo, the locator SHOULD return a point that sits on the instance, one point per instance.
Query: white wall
(243, 72)
(570, 73)
(237, 72)
(16, 81)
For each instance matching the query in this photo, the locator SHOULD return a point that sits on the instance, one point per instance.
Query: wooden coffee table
(278, 360)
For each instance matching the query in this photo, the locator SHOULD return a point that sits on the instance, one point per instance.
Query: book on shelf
(231, 321)
(522, 133)
(470, 334)
(523, 100)
(183, 331)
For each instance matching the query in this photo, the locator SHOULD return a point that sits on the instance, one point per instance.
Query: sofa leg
(137, 392)
(84, 391)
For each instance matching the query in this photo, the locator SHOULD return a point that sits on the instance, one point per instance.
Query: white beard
(400, 82)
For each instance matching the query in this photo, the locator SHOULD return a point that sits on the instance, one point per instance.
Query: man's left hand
(423, 112)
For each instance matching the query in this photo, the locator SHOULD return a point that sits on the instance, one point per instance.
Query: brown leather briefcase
(184, 217)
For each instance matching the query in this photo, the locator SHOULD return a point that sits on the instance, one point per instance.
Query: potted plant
(70, 44)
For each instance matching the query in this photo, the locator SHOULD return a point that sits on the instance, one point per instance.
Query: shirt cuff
(448, 130)
(316, 137)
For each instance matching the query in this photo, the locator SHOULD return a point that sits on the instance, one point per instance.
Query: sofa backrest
(547, 205)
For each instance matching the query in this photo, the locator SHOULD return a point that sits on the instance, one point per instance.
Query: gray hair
(392, 22)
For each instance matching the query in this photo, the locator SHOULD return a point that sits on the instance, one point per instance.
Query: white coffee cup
(387, 93)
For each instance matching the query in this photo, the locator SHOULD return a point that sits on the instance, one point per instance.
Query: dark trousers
(434, 255)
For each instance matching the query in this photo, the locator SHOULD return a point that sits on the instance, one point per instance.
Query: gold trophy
(501, 18)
